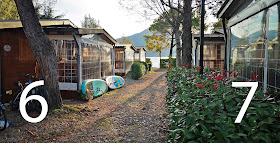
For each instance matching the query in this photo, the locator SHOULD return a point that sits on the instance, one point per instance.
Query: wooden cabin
(81, 54)
(214, 49)
(124, 58)
(140, 54)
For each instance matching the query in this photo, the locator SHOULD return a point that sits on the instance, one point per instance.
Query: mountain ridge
(139, 41)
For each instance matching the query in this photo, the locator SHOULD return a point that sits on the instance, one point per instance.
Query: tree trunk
(178, 48)
(43, 51)
(187, 34)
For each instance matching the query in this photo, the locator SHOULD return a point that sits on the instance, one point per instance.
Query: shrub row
(203, 109)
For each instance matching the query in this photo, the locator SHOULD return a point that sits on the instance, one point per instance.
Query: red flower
(167, 73)
(219, 78)
(215, 86)
(236, 74)
(267, 92)
(198, 69)
(169, 66)
(187, 65)
(210, 78)
(224, 72)
(215, 74)
(254, 77)
(182, 67)
(230, 72)
(199, 85)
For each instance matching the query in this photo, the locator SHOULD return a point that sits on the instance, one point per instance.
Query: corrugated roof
(125, 45)
(86, 31)
(4, 24)
(209, 35)
(139, 48)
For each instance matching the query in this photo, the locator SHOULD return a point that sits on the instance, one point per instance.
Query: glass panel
(66, 55)
(106, 61)
(273, 48)
(247, 42)
(90, 62)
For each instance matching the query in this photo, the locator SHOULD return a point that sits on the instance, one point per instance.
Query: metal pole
(225, 38)
(266, 51)
(79, 63)
(202, 35)
(113, 59)
(100, 62)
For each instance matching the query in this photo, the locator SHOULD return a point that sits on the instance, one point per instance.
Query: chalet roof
(101, 32)
(217, 33)
(140, 48)
(5, 24)
(209, 36)
(218, 30)
(125, 45)
(61, 25)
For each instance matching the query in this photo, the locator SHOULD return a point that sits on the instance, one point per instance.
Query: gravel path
(134, 113)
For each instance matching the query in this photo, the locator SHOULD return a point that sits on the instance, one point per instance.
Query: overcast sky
(116, 20)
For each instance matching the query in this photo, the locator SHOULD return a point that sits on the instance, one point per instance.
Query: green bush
(164, 63)
(203, 109)
(149, 62)
(137, 70)
(146, 67)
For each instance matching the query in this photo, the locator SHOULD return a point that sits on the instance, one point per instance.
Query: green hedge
(149, 62)
(137, 70)
(164, 63)
(203, 109)
(146, 67)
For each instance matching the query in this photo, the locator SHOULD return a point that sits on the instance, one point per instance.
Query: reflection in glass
(273, 48)
(247, 42)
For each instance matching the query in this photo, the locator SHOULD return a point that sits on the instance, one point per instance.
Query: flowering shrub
(203, 109)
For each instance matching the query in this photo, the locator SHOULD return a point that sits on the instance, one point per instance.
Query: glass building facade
(254, 46)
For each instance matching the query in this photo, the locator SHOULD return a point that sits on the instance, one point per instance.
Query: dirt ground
(134, 113)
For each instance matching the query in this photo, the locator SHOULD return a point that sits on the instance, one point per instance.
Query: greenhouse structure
(81, 54)
(253, 40)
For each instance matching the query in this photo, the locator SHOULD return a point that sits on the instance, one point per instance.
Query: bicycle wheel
(3, 120)
(34, 107)
(15, 101)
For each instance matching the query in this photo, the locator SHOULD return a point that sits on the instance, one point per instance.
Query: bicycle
(33, 106)
(3, 119)
(16, 97)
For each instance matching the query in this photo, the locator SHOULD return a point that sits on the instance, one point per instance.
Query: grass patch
(105, 123)
(111, 92)
(75, 108)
